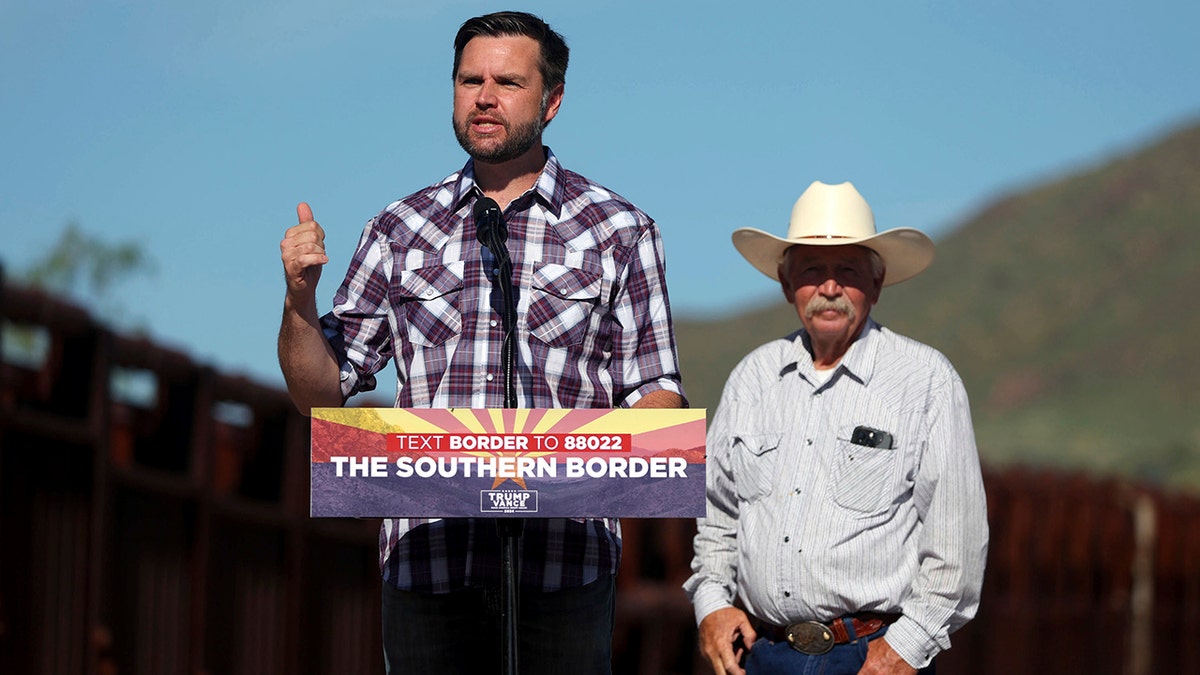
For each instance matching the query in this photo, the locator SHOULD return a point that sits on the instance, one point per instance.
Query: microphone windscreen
(483, 205)
(487, 221)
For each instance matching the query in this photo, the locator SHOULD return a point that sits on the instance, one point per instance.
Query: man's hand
(883, 660)
(305, 357)
(303, 253)
(718, 632)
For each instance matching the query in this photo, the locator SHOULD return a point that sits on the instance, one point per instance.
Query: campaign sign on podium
(543, 463)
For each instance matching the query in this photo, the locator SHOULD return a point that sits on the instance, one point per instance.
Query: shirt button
(493, 323)
(808, 441)
(787, 594)
(490, 377)
(428, 292)
(786, 539)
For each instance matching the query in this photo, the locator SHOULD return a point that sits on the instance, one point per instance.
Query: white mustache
(820, 303)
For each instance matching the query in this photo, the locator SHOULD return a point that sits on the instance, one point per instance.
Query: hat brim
(906, 252)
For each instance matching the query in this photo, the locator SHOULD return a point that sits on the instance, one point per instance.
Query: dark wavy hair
(553, 64)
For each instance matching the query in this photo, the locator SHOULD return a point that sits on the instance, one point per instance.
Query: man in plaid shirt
(593, 331)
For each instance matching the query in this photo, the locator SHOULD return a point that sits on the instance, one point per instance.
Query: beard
(820, 303)
(517, 141)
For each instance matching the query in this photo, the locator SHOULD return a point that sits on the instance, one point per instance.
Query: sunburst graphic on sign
(397, 462)
(518, 421)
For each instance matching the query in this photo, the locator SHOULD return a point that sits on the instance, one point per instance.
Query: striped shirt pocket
(863, 477)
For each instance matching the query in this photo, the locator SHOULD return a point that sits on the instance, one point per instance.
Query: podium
(505, 463)
(508, 464)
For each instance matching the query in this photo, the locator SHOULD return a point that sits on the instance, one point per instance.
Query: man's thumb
(304, 212)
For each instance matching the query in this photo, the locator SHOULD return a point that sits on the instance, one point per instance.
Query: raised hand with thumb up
(306, 359)
(303, 253)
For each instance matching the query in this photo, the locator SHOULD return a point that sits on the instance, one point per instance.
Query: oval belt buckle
(810, 637)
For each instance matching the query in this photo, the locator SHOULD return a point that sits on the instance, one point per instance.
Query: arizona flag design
(550, 463)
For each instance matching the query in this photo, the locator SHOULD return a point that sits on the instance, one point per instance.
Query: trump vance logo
(508, 501)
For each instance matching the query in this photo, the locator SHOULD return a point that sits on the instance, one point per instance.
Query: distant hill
(1069, 308)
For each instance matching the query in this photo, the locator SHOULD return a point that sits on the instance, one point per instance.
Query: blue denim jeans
(567, 631)
(778, 658)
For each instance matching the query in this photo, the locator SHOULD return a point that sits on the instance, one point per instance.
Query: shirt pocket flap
(754, 464)
(568, 283)
(427, 283)
(759, 443)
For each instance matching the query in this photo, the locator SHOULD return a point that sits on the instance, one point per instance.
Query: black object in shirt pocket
(863, 476)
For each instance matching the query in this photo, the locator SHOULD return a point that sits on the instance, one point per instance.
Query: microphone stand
(509, 529)
(493, 234)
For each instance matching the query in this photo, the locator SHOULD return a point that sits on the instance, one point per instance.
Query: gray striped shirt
(802, 524)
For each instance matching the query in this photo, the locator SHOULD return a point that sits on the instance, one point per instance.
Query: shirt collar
(548, 189)
(858, 362)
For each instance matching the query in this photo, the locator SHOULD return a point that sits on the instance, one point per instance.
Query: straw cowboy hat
(833, 215)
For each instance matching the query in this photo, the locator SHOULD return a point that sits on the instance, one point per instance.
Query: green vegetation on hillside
(1069, 310)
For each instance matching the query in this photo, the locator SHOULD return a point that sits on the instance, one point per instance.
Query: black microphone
(488, 222)
(491, 231)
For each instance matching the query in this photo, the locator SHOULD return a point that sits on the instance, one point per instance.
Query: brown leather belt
(814, 637)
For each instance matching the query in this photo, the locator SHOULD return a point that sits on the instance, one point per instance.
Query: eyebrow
(515, 77)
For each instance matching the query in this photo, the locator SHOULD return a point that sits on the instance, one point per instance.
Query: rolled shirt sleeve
(644, 351)
(357, 327)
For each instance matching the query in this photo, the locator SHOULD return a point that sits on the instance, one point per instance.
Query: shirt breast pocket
(864, 477)
(561, 302)
(754, 459)
(429, 297)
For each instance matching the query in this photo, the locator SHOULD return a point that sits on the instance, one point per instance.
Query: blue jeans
(778, 658)
(567, 631)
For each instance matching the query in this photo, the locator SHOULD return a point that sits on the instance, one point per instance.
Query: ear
(785, 282)
(876, 288)
(553, 103)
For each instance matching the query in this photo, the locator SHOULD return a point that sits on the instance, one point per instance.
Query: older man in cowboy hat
(846, 528)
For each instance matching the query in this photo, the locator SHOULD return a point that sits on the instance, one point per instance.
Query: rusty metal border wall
(160, 536)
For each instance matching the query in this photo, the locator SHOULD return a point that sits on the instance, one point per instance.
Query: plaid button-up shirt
(593, 331)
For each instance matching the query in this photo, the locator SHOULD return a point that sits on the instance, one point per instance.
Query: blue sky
(194, 128)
